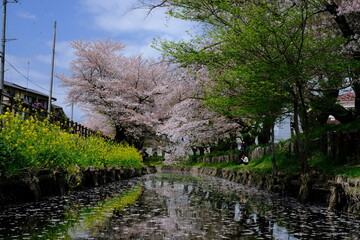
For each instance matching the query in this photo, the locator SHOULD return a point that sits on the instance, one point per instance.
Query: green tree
(263, 58)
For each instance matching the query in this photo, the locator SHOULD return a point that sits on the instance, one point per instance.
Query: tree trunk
(232, 142)
(273, 160)
(248, 140)
(155, 152)
(193, 149)
(305, 138)
(301, 145)
(356, 88)
(202, 151)
(265, 133)
(120, 137)
(119, 134)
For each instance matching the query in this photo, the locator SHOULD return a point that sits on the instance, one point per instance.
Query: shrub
(31, 143)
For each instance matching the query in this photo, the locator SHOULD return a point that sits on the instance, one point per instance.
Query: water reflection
(169, 206)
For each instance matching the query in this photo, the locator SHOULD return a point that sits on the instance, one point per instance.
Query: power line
(46, 10)
(52, 20)
(34, 26)
(36, 29)
(21, 74)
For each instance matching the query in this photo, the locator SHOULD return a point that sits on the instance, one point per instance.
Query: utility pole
(2, 65)
(2, 68)
(52, 71)
(72, 111)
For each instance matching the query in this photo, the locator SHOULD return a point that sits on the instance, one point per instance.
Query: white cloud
(144, 47)
(114, 17)
(145, 50)
(135, 28)
(63, 55)
(44, 58)
(26, 15)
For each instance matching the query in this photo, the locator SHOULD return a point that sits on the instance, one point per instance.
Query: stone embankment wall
(35, 185)
(335, 192)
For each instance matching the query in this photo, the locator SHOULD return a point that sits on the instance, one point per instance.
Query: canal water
(174, 206)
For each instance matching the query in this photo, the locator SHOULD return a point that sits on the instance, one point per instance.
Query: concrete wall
(334, 192)
(38, 184)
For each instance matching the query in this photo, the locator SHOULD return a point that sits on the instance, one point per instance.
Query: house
(283, 129)
(58, 111)
(30, 97)
(332, 120)
(27, 95)
(347, 100)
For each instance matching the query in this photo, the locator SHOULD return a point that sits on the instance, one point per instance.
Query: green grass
(154, 160)
(350, 168)
(258, 165)
(347, 171)
(287, 163)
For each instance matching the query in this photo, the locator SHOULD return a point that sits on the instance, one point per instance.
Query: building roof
(347, 100)
(347, 97)
(13, 85)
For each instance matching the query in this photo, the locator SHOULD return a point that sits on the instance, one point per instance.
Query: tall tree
(106, 82)
(187, 122)
(143, 100)
(264, 57)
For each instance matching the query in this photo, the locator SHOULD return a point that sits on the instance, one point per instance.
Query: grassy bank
(31, 143)
(287, 164)
(154, 160)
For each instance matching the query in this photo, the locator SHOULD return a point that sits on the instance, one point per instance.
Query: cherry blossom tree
(142, 100)
(99, 122)
(105, 81)
(185, 120)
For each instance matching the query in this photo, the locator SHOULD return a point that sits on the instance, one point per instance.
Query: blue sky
(31, 23)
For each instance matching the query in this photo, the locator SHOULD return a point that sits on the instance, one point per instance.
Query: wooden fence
(64, 123)
(342, 145)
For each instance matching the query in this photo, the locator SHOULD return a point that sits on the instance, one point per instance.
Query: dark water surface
(174, 206)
